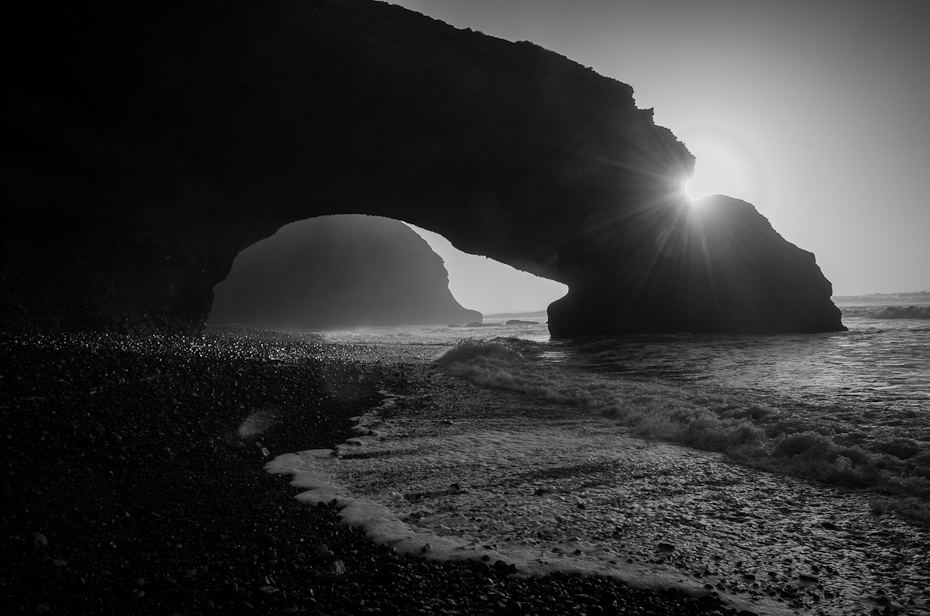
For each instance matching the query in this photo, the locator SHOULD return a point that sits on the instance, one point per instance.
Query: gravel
(132, 483)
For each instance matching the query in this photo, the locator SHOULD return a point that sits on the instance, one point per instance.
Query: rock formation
(144, 146)
(338, 272)
(716, 266)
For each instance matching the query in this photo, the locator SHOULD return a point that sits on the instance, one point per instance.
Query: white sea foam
(578, 492)
(707, 418)
(849, 408)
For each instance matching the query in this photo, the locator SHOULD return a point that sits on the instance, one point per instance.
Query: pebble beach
(134, 482)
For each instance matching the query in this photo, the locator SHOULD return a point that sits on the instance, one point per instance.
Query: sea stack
(145, 147)
(716, 266)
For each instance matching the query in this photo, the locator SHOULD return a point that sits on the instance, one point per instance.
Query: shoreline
(651, 513)
(132, 490)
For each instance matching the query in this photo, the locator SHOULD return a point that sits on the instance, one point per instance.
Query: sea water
(847, 407)
(852, 404)
(863, 394)
(794, 442)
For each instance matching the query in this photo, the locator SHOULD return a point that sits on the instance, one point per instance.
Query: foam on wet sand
(487, 474)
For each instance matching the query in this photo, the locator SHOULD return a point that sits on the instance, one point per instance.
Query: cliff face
(715, 267)
(144, 147)
(338, 272)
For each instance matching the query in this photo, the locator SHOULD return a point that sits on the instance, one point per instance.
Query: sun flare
(726, 165)
(714, 174)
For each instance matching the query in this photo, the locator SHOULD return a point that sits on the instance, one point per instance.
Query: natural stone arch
(142, 159)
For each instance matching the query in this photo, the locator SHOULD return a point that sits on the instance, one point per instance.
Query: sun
(726, 165)
(714, 174)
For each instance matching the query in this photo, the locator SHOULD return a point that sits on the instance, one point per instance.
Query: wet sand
(457, 471)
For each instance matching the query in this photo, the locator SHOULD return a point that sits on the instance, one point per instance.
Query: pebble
(335, 568)
(266, 539)
(39, 541)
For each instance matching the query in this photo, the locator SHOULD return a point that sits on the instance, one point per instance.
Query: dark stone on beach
(266, 539)
(335, 569)
(808, 579)
(39, 541)
(148, 154)
(501, 566)
(480, 566)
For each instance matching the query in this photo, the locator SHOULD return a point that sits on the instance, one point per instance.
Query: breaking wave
(705, 416)
(888, 312)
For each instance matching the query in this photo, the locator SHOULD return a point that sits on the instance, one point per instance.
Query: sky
(482, 284)
(815, 111)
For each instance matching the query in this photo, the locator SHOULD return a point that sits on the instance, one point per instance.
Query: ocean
(864, 392)
(790, 473)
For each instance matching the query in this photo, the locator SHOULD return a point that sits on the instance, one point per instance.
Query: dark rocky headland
(143, 147)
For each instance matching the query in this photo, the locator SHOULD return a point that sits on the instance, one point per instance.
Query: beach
(134, 482)
(456, 471)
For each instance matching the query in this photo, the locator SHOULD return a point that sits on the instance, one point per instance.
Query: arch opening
(347, 271)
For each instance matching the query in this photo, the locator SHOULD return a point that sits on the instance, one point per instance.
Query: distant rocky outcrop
(144, 145)
(338, 272)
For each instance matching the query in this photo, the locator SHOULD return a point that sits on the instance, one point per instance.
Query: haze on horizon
(490, 287)
(814, 111)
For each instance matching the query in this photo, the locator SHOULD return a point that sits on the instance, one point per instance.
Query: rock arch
(146, 146)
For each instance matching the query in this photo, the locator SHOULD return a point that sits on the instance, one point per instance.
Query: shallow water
(850, 407)
(459, 473)
(854, 406)
(877, 362)
(580, 488)
(869, 386)
(876, 375)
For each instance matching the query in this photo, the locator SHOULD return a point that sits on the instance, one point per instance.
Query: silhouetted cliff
(718, 267)
(144, 145)
(338, 272)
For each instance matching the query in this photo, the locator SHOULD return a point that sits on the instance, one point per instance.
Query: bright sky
(815, 111)
(489, 287)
